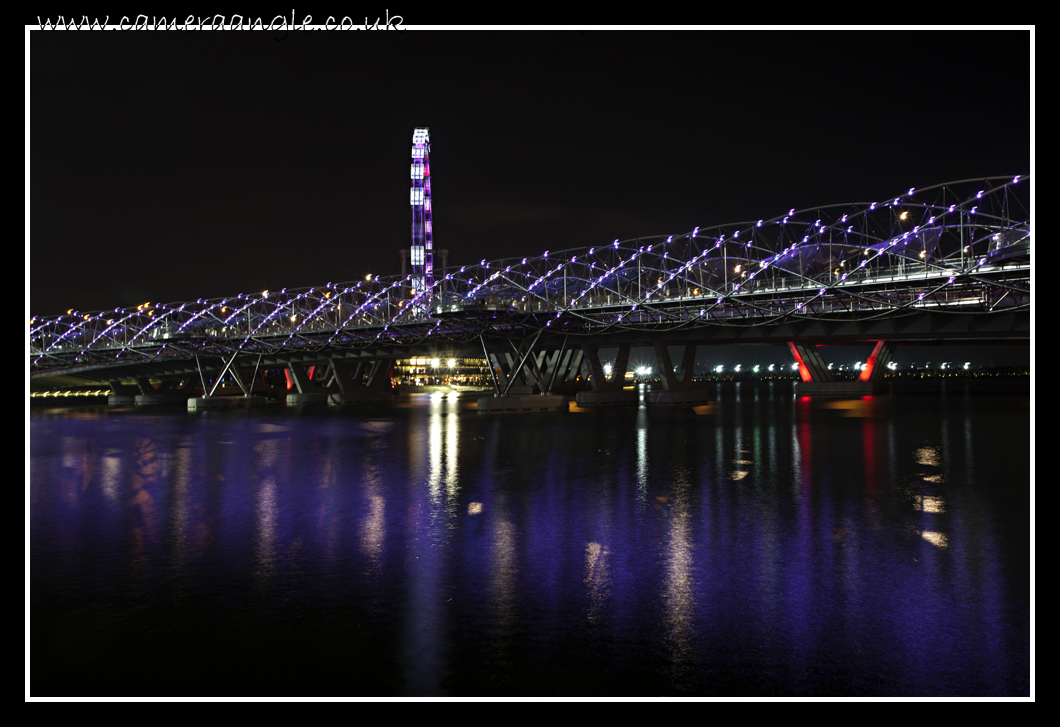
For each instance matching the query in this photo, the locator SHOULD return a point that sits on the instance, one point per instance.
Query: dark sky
(167, 166)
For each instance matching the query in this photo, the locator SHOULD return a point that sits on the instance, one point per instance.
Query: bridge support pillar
(243, 377)
(362, 382)
(122, 394)
(166, 393)
(606, 390)
(517, 374)
(308, 390)
(816, 379)
(677, 385)
(877, 362)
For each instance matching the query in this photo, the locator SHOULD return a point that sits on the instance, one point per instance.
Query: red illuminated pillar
(811, 366)
(877, 362)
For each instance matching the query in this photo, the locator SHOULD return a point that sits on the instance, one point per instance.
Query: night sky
(168, 166)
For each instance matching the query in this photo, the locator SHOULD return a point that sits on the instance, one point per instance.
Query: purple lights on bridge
(917, 252)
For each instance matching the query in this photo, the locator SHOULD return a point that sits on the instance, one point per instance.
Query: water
(763, 545)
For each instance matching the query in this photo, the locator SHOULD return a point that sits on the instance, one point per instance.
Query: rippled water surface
(762, 545)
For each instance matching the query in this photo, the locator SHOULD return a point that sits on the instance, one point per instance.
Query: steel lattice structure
(961, 247)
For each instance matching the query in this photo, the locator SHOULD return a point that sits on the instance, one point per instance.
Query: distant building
(471, 372)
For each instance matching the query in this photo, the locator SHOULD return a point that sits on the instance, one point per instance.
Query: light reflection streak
(425, 646)
(110, 482)
(70, 448)
(868, 456)
(927, 456)
(503, 587)
(930, 504)
(597, 579)
(679, 590)
(642, 454)
(146, 466)
(265, 538)
(452, 487)
(800, 585)
(443, 431)
(935, 538)
(435, 427)
(182, 519)
(373, 529)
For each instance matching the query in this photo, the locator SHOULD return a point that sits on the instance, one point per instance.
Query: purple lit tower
(422, 237)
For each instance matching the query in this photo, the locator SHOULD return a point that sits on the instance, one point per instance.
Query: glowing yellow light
(474, 508)
(737, 269)
(904, 215)
(452, 363)
(937, 539)
(930, 504)
(264, 294)
(368, 277)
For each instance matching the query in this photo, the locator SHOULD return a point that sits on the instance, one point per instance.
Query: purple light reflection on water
(762, 545)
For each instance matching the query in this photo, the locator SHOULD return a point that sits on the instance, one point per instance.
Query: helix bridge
(950, 260)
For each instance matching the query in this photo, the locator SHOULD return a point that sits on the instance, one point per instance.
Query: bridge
(946, 263)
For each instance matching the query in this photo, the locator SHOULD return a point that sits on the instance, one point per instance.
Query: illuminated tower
(422, 252)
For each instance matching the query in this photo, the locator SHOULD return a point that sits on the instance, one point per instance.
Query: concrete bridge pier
(606, 390)
(122, 394)
(361, 382)
(167, 392)
(339, 383)
(244, 378)
(307, 391)
(677, 385)
(557, 367)
(816, 379)
(517, 374)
